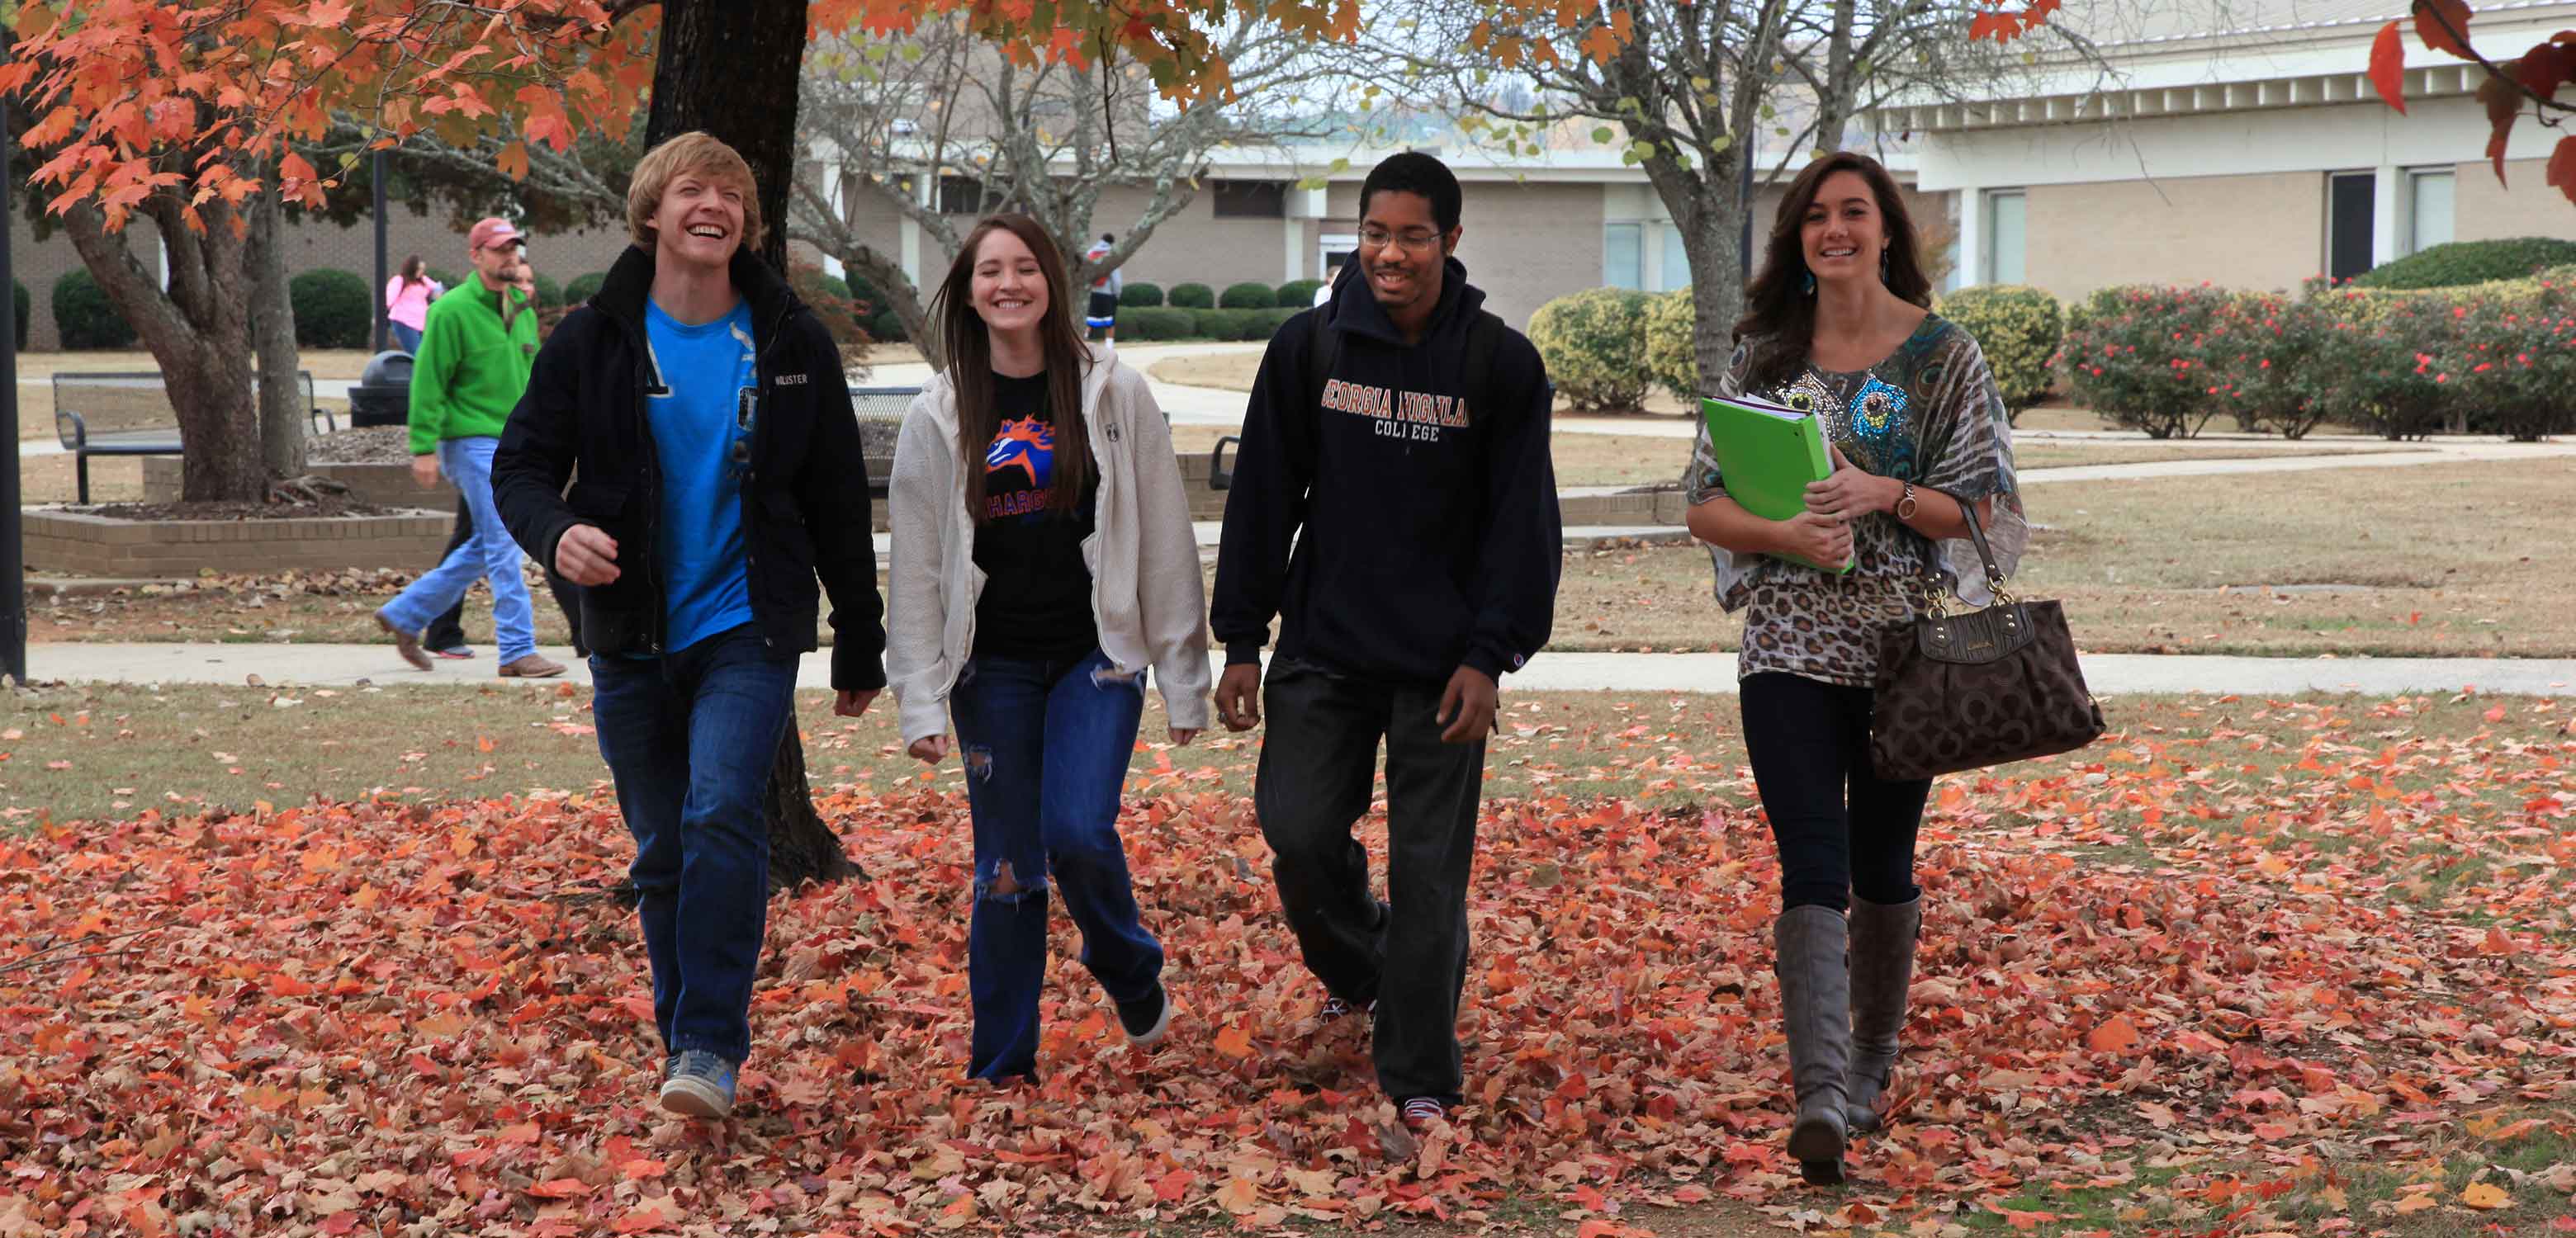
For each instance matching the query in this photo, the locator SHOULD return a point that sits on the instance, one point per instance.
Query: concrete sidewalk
(2108, 674)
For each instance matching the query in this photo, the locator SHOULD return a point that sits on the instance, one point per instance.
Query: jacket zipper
(760, 386)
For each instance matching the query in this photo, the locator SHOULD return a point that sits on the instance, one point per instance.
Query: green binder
(1768, 454)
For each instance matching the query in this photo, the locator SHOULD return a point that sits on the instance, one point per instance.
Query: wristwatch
(1905, 503)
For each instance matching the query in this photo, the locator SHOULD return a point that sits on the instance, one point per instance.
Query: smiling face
(700, 220)
(1009, 291)
(1402, 250)
(1844, 233)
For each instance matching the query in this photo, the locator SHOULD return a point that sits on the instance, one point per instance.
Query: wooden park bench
(128, 414)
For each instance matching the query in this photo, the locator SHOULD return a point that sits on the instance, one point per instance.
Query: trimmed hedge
(84, 317)
(1147, 323)
(583, 287)
(886, 326)
(1248, 296)
(550, 294)
(333, 308)
(2462, 263)
(18, 293)
(2018, 328)
(1140, 295)
(1672, 356)
(1193, 296)
(1594, 344)
(1298, 293)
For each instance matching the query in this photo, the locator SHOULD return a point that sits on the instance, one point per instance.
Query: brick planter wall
(384, 485)
(60, 541)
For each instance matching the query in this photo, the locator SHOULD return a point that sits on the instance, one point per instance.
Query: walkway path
(2109, 674)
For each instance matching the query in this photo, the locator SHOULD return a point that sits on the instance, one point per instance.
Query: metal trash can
(382, 396)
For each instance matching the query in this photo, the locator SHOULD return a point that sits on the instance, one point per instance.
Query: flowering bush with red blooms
(2140, 356)
(2374, 360)
(2258, 348)
(2513, 362)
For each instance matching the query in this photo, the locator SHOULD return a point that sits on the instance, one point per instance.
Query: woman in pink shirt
(407, 298)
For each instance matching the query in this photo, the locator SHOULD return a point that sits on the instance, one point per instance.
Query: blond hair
(694, 152)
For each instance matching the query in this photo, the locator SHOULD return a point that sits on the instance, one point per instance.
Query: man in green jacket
(476, 349)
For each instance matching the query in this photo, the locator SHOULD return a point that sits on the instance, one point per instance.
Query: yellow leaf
(2485, 1195)
(2414, 1203)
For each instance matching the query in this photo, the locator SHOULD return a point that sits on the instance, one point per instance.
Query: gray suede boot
(1815, 1003)
(1882, 965)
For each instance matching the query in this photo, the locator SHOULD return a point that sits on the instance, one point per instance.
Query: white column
(1293, 262)
(925, 191)
(836, 193)
(2385, 215)
(1650, 254)
(1972, 235)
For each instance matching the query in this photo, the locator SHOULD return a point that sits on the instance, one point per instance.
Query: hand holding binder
(1767, 456)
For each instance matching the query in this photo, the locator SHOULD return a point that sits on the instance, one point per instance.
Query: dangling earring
(1882, 264)
(1807, 284)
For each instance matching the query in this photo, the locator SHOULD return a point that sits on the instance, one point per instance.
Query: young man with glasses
(476, 348)
(720, 473)
(1397, 439)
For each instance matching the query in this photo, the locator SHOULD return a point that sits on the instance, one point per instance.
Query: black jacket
(1420, 499)
(804, 502)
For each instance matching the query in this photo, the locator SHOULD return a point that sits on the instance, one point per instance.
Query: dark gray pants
(1318, 763)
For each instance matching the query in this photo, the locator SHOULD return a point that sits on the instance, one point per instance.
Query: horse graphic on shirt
(1026, 444)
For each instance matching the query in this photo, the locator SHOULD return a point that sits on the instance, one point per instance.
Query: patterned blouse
(1929, 414)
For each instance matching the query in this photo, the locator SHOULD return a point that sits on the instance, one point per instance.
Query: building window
(965, 195)
(1623, 257)
(1676, 262)
(2007, 225)
(1250, 199)
(2429, 208)
(2351, 211)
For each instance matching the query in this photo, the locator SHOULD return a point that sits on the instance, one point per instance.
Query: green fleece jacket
(470, 370)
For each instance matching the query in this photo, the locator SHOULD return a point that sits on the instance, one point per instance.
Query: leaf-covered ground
(2297, 967)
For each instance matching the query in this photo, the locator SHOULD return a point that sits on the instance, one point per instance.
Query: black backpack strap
(1484, 336)
(1323, 352)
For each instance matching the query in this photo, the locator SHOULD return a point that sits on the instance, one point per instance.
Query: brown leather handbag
(1963, 688)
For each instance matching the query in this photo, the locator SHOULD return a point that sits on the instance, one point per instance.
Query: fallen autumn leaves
(2144, 970)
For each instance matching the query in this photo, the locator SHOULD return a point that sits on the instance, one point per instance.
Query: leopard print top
(1930, 414)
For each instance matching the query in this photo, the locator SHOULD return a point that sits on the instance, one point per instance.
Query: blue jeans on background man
(689, 738)
(491, 556)
(1046, 746)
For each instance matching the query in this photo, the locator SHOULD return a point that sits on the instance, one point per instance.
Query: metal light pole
(13, 548)
(376, 173)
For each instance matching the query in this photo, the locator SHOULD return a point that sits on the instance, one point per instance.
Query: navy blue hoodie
(1425, 525)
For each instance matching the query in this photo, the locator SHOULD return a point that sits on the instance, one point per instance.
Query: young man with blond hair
(720, 473)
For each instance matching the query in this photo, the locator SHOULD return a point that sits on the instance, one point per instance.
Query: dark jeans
(689, 738)
(1840, 828)
(1318, 762)
(447, 631)
(1046, 746)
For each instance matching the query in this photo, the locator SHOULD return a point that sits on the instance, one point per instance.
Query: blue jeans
(1046, 746)
(689, 738)
(491, 555)
(406, 338)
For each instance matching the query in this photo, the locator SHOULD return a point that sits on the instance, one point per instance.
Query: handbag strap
(1932, 583)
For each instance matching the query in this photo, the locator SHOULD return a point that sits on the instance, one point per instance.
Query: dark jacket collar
(1354, 307)
(630, 284)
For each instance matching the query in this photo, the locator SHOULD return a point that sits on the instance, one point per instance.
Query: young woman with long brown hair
(1839, 324)
(1043, 559)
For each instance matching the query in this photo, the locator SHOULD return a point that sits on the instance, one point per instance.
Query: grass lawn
(2028, 454)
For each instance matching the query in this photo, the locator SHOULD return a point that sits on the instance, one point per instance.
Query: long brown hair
(1780, 306)
(411, 270)
(967, 346)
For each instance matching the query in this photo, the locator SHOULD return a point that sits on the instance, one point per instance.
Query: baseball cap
(493, 231)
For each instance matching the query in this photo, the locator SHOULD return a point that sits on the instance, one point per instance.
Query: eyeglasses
(1417, 241)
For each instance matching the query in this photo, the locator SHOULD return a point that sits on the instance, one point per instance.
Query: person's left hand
(1182, 735)
(852, 702)
(424, 471)
(1851, 491)
(1466, 706)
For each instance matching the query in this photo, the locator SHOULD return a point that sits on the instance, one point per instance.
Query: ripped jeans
(1046, 746)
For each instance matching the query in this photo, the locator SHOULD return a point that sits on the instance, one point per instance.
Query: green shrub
(1140, 295)
(83, 316)
(1147, 323)
(2512, 361)
(1298, 293)
(2137, 354)
(2371, 364)
(829, 297)
(1594, 344)
(1220, 324)
(2470, 262)
(887, 327)
(1672, 356)
(1248, 296)
(1193, 296)
(1261, 324)
(583, 287)
(2260, 354)
(2018, 329)
(18, 293)
(333, 308)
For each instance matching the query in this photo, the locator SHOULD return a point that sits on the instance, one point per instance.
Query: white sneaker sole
(1162, 1025)
(695, 1098)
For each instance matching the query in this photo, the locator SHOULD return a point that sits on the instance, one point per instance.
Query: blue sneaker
(700, 1085)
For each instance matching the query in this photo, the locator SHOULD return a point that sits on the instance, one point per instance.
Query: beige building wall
(1194, 246)
(1525, 243)
(2254, 231)
(2525, 205)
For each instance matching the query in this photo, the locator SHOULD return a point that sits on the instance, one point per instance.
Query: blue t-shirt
(701, 405)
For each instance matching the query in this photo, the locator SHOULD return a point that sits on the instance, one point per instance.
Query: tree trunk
(730, 67)
(196, 331)
(1834, 102)
(283, 414)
